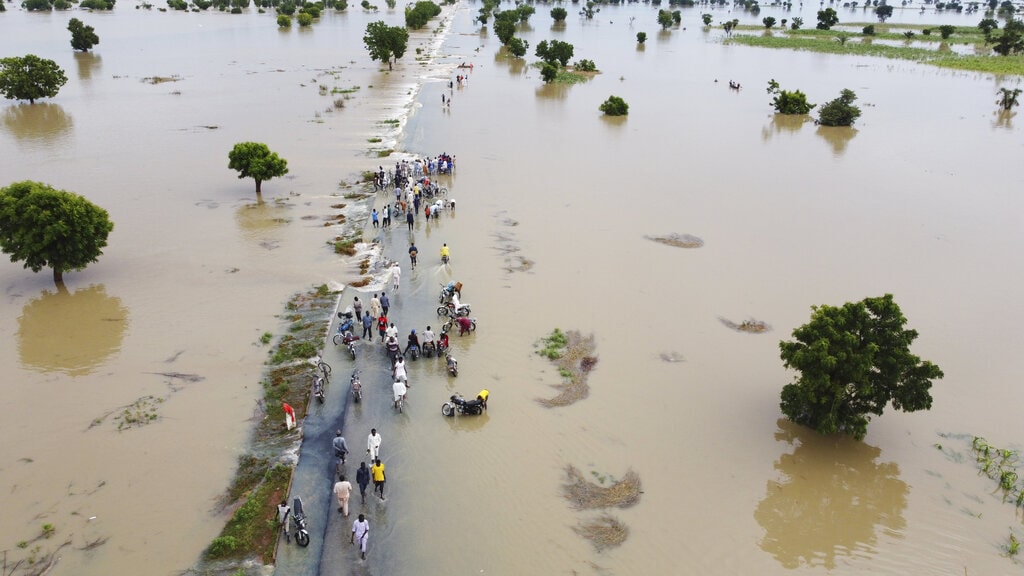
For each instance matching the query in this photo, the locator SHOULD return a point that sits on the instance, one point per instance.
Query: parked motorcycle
(459, 405)
(357, 387)
(453, 364)
(447, 290)
(348, 339)
(299, 530)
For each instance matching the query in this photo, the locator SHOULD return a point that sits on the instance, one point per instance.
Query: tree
(1008, 98)
(987, 26)
(797, 23)
(505, 28)
(384, 42)
(664, 19)
(558, 14)
(284, 21)
(614, 106)
(50, 228)
(827, 18)
(30, 78)
(841, 111)
(517, 47)
(786, 102)
(1011, 41)
(417, 16)
(706, 19)
(304, 19)
(946, 31)
(641, 37)
(768, 22)
(883, 12)
(554, 51)
(548, 72)
(37, 5)
(82, 37)
(853, 360)
(255, 160)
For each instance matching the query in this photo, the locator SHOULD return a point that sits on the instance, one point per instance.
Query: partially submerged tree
(706, 19)
(30, 78)
(883, 12)
(384, 42)
(517, 47)
(641, 37)
(255, 160)
(614, 106)
(1008, 98)
(664, 19)
(853, 360)
(841, 111)
(82, 37)
(768, 22)
(50, 228)
(558, 14)
(1011, 41)
(554, 51)
(417, 16)
(827, 18)
(786, 102)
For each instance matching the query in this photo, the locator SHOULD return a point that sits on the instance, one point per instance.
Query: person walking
(342, 490)
(385, 304)
(373, 445)
(375, 308)
(363, 480)
(409, 219)
(413, 252)
(357, 306)
(374, 216)
(361, 530)
(382, 326)
(340, 446)
(396, 271)
(399, 372)
(367, 325)
(377, 472)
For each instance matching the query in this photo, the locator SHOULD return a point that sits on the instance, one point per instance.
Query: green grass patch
(818, 42)
(553, 346)
(374, 141)
(351, 90)
(253, 527)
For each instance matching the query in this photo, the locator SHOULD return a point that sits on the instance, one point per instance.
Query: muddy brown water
(919, 199)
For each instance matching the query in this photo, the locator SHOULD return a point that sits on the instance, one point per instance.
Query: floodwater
(920, 199)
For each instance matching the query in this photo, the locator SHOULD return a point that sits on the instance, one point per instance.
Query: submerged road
(329, 551)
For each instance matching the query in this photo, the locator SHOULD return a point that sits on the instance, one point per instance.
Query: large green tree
(786, 102)
(30, 78)
(841, 111)
(554, 51)
(385, 42)
(883, 12)
(255, 160)
(82, 37)
(853, 360)
(827, 18)
(50, 228)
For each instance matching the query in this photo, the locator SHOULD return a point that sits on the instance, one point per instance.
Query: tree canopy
(255, 160)
(883, 12)
(417, 16)
(827, 18)
(853, 360)
(786, 102)
(384, 42)
(554, 51)
(50, 228)
(30, 78)
(82, 37)
(614, 106)
(841, 111)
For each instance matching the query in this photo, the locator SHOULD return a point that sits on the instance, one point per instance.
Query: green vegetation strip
(259, 483)
(829, 45)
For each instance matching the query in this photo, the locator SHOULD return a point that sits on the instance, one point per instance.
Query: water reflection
(516, 66)
(1003, 119)
(832, 500)
(71, 332)
(553, 91)
(838, 137)
(256, 220)
(784, 124)
(88, 63)
(44, 121)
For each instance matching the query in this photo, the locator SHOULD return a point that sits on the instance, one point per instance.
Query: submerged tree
(827, 18)
(841, 111)
(517, 47)
(664, 19)
(30, 78)
(1008, 98)
(883, 12)
(50, 228)
(786, 102)
(641, 37)
(558, 14)
(385, 42)
(554, 51)
(853, 360)
(614, 106)
(255, 160)
(82, 37)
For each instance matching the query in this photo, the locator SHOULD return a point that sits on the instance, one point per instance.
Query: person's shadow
(831, 499)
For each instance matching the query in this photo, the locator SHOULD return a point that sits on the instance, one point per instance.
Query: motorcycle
(357, 387)
(394, 351)
(319, 388)
(442, 345)
(451, 322)
(299, 530)
(347, 321)
(453, 364)
(413, 351)
(428, 349)
(459, 405)
(449, 310)
(448, 290)
(348, 339)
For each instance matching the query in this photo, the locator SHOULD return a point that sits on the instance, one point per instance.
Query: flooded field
(556, 208)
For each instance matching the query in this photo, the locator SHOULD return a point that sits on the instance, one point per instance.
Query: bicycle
(319, 388)
(324, 368)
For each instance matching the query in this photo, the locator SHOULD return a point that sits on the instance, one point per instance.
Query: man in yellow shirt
(377, 471)
(445, 254)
